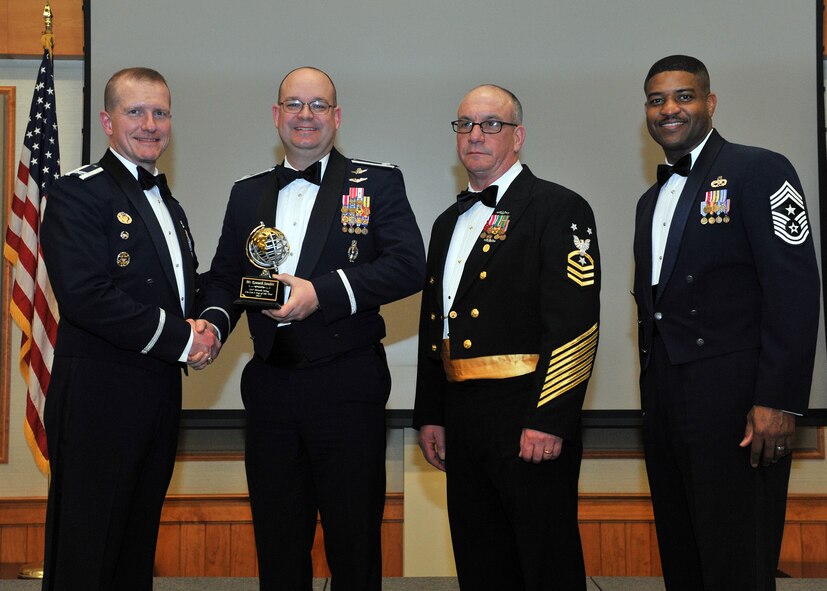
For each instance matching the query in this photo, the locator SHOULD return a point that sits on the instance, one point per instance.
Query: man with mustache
(727, 290)
(507, 339)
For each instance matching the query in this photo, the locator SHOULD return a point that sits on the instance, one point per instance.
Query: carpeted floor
(414, 584)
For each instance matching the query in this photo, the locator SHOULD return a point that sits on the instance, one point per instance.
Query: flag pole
(34, 570)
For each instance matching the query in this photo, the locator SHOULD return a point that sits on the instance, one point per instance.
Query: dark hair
(681, 63)
(110, 93)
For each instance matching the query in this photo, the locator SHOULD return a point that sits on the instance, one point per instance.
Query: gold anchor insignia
(358, 180)
(719, 182)
(359, 170)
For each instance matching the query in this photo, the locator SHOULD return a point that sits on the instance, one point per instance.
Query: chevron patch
(570, 365)
(580, 268)
(789, 217)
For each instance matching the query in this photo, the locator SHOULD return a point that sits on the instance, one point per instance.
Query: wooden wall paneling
(638, 549)
(590, 540)
(393, 525)
(213, 536)
(242, 550)
(168, 551)
(613, 549)
(192, 549)
(790, 560)
(23, 26)
(657, 571)
(4, 28)
(35, 540)
(814, 550)
(13, 543)
(217, 543)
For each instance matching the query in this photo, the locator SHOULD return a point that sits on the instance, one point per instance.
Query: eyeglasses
(317, 107)
(490, 126)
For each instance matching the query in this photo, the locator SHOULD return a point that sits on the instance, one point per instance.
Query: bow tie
(149, 180)
(680, 167)
(467, 199)
(312, 174)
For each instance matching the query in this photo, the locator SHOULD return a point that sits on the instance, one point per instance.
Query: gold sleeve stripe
(570, 365)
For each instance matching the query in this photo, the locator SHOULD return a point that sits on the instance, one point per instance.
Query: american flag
(33, 305)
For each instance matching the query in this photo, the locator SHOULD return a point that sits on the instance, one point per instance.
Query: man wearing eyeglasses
(507, 339)
(316, 388)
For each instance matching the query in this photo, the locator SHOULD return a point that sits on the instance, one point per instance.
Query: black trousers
(316, 442)
(513, 523)
(719, 521)
(112, 432)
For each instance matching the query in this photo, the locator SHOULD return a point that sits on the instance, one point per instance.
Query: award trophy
(267, 248)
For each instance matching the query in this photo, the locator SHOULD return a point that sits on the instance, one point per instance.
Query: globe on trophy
(267, 248)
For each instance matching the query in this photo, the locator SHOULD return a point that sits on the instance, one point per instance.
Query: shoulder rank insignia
(789, 216)
(254, 175)
(579, 263)
(86, 172)
(355, 211)
(370, 163)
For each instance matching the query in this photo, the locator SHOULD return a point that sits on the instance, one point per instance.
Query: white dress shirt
(466, 233)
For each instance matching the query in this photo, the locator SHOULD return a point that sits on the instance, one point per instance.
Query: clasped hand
(205, 344)
(302, 302)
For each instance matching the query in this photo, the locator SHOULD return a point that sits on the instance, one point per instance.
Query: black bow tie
(149, 180)
(312, 174)
(680, 167)
(467, 199)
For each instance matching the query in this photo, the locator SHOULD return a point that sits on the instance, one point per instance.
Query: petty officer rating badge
(579, 263)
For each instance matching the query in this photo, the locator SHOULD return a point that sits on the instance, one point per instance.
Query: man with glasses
(507, 339)
(316, 387)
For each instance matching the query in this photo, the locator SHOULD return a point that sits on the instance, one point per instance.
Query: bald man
(507, 339)
(316, 388)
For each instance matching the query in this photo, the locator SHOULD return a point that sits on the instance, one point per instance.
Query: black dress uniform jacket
(389, 264)
(315, 431)
(536, 292)
(731, 324)
(749, 283)
(114, 398)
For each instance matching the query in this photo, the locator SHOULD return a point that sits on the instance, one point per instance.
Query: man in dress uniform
(316, 388)
(727, 291)
(507, 339)
(121, 261)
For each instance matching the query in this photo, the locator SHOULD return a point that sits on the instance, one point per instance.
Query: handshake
(205, 344)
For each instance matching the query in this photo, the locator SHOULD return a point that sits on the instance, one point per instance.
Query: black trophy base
(259, 293)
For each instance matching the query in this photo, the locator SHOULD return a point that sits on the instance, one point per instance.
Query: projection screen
(401, 69)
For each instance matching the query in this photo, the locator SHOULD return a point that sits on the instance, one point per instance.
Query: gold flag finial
(47, 39)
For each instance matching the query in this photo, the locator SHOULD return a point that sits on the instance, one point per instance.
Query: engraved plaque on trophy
(266, 248)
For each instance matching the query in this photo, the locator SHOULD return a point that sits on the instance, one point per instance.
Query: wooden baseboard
(212, 535)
